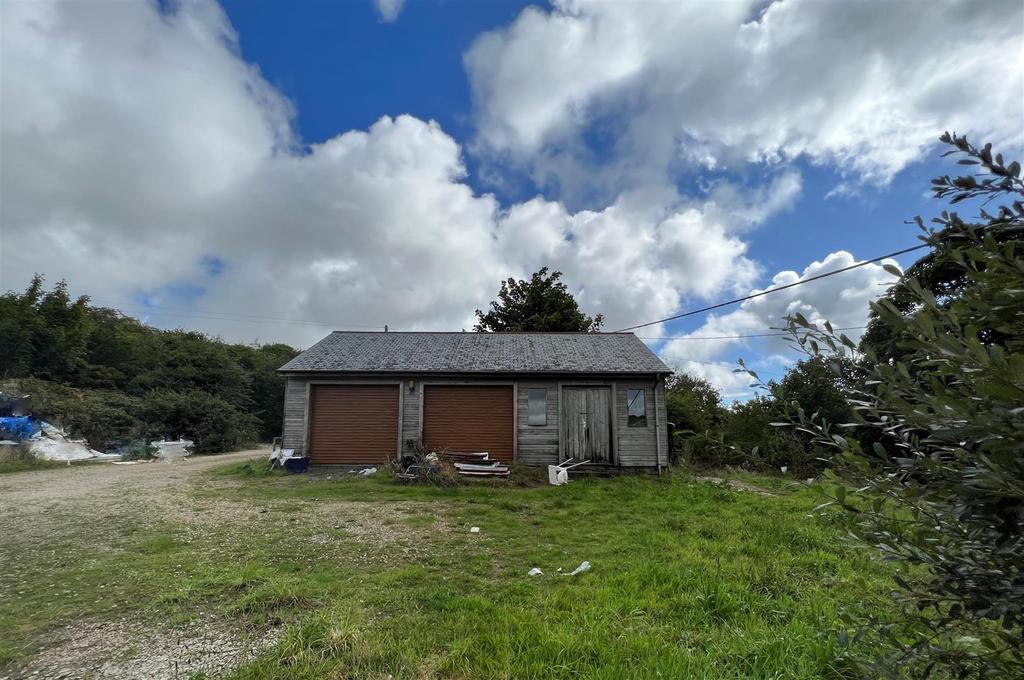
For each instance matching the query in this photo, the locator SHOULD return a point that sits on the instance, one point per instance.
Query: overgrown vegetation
(709, 434)
(111, 379)
(929, 462)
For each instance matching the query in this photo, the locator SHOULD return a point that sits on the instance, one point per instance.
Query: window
(636, 407)
(538, 405)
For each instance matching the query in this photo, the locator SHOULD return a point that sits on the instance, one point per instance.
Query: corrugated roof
(478, 353)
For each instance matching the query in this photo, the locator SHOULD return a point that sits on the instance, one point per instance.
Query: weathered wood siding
(535, 444)
(411, 415)
(638, 446)
(294, 413)
(538, 444)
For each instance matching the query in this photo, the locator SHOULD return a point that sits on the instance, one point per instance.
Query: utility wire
(774, 290)
(732, 337)
(217, 315)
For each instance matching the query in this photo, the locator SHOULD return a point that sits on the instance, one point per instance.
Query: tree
(542, 304)
(112, 379)
(940, 491)
(693, 404)
(819, 385)
(939, 271)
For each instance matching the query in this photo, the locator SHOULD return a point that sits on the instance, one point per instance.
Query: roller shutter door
(353, 424)
(469, 418)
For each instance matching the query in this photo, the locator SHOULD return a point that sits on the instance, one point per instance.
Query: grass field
(367, 579)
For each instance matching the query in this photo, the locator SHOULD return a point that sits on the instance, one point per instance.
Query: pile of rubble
(475, 464)
(19, 426)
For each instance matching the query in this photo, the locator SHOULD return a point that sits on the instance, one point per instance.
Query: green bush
(212, 423)
(102, 417)
(939, 490)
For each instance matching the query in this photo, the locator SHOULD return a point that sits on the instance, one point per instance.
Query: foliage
(743, 435)
(541, 304)
(107, 377)
(941, 487)
(939, 271)
(209, 421)
(693, 404)
(753, 443)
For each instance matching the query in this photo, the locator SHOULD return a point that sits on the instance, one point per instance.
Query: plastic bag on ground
(584, 566)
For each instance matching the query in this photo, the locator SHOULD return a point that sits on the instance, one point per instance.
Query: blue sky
(265, 171)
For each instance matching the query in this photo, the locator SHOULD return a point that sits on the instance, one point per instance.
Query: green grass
(19, 459)
(689, 580)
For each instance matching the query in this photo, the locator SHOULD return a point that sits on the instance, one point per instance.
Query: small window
(636, 407)
(538, 406)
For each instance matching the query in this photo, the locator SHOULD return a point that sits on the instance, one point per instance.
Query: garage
(353, 424)
(469, 418)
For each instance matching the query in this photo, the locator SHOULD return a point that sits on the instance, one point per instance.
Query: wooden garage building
(539, 398)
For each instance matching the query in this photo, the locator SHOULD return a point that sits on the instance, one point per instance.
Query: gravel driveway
(55, 517)
(88, 485)
(86, 506)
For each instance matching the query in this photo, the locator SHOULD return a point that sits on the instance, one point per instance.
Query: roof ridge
(484, 333)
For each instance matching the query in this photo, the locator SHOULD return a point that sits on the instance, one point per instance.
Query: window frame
(641, 420)
(543, 415)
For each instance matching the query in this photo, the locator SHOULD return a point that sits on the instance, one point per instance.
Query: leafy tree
(819, 385)
(941, 494)
(750, 440)
(693, 404)
(939, 271)
(542, 304)
(106, 377)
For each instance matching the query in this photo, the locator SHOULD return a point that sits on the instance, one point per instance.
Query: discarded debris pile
(475, 464)
(45, 441)
(52, 443)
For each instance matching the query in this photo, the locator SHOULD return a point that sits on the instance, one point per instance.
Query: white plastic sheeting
(172, 451)
(51, 444)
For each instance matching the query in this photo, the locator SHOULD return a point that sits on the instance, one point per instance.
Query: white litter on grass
(535, 572)
(172, 451)
(474, 530)
(584, 566)
(365, 472)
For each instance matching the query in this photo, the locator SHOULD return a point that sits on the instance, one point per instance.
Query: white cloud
(388, 10)
(841, 299)
(862, 86)
(137, 145)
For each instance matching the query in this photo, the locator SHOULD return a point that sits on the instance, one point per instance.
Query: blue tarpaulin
(18, 427)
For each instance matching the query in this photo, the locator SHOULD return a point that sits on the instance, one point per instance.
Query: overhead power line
(773, 290)
(217, 315)
(733, 337)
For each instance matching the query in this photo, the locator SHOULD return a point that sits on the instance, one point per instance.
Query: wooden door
(587, 424)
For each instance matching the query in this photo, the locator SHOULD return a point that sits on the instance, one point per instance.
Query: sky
(269, 171)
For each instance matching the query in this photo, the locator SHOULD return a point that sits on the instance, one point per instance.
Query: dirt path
(54, 519)
(98, 484)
